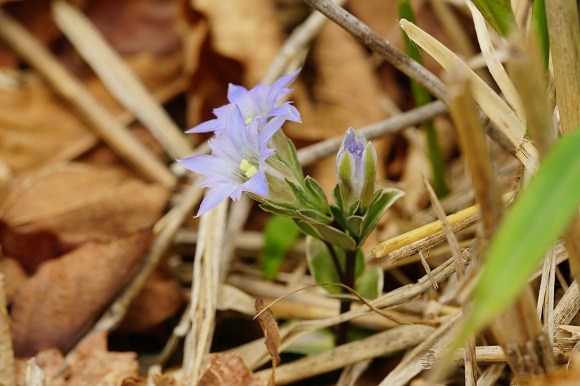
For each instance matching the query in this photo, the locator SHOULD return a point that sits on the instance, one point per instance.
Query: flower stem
(345, 304)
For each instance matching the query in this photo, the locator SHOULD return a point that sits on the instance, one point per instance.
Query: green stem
(345, 304)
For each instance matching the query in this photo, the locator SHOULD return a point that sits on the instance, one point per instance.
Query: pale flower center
(248, 168)
(250, 119)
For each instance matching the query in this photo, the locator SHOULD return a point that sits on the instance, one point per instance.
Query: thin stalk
(345, 304)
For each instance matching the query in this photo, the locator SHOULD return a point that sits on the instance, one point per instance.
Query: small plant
(250, 153)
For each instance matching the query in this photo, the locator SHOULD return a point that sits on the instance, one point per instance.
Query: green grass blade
(498, 13)
(540, 24)
(422, 97)
(534, 222)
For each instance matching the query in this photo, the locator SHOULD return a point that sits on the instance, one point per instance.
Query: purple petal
(235, 92)
(279, 85)
(288, 110)
(214, 197)
(268, 132)
(206, 127)
(257, 184)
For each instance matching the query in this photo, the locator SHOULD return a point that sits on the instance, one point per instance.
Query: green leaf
(331, 235)
(370, 285)
(540, 24)
(498, 13)
(382, 201)
(275, 209)
(312, 215)
(313, 343)
(323, 268)
(321, 264)
(534, 222)
(280, 234)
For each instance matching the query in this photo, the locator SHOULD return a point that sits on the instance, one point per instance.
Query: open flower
(356, 166)
(238, 160)
(259, 103)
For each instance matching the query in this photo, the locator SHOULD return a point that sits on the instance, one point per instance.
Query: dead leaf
(166, 380)
(52, 364)
(92, 364)
(133, 381)
(62, 300)
(51, 212)
(231, 41)
(272, 334)
(159, 299)
(228, 370)
(36, 128)
(14, 276)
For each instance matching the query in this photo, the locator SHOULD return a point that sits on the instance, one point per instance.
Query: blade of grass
(498, 13)
(422, 97)
(540, 24)
(537, 218)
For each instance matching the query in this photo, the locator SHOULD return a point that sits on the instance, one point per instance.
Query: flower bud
(356, 166)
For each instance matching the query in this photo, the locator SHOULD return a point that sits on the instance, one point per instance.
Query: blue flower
(238, 160)
(259, 103)
(356, 165)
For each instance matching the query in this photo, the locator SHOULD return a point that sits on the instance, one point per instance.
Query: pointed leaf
(498, 13)
(534, 222)
(370, 285)
(383, 200)
(321, 264)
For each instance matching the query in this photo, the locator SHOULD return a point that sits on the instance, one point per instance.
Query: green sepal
(382, 201)
(317, 192)
(286, 152)
(306, 228)
(370, 284)
(338, 216)
(337, 196)
(302, 197)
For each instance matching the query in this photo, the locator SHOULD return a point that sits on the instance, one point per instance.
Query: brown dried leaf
(166, 380)
(14, 276)
(159, 299)
(59, 303)
(92, 364)
(51, 212)
(228, 370)
(231, 41)
(52, 364)
(36, 128)
(272, 334)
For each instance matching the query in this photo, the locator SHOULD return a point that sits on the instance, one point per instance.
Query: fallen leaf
(36, 128)
(51, 212)
(228, 370)
(92, 364)
(61, 301)
(231, 41)
(166, 380)
(272, 334)
(14, 276)
(159, 299)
